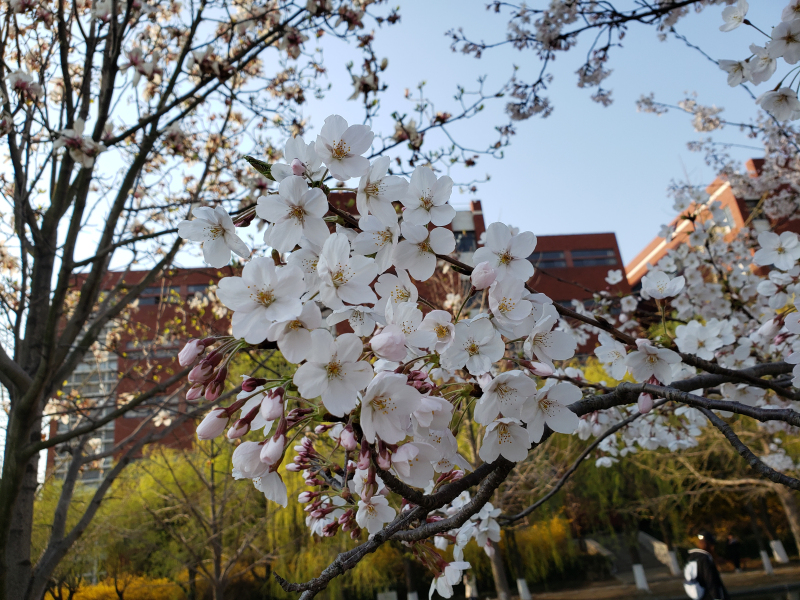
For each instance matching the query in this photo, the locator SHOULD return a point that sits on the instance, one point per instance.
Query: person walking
(702, 580)
(734, 552)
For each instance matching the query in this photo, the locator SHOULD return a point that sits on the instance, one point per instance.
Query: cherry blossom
(333, 371)
(550, 406)
(659, 285)
(781, 104)
(476, 344)
(507, 438)
(295, 212)
(426, 199)
(612, 354)
(734, 15)
(412, 463)
(483, 275)
(548, 345)
(360, 318)
(785, 42)
(506, 252)
(651, 361)
(440, 323)
(294, 335)
(344, 278)
(373, 513)
(386, 408)
(505, 394)
(417, 252)
(378, 239)
(377, 191)
(263, 294)
(780, 250)
(214, 228)
(450, 576)
(340, 147)
(297, 150)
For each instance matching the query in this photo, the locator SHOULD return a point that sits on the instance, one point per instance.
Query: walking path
(748, 583)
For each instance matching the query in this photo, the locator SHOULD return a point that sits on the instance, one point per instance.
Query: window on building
(548, 260)
(465, 241)
(157, 294)
(196, 289)
(594, 257)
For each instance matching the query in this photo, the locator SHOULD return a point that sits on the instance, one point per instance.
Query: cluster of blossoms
(373, 413)
(783, 42)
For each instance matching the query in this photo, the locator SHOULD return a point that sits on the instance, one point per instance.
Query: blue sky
(586, 168)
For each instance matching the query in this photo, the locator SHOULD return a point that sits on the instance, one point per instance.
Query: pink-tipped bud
(307, 496)
(272, 451)
(195, 392)
(202, 372)
(214, 390)
(537, 368)
(364, 456)
(272, 404)
(389, 344)
(348, 439)
(384, 458)
(483, 275)
(251, 383)
(240, 428)
(298, 168)
(190, 352)
(645, 403)
(245, 221)
(213, 424)
(294, 468)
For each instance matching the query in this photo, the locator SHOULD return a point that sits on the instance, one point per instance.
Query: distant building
(739, 212)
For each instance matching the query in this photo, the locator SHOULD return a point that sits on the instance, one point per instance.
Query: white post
(522, 590)
(767, 564)
(470, 586)
(640, 578)
(674, 568)
(779, 552)
(412, 596)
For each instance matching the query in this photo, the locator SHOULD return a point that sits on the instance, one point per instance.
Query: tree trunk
(789, 502)
(18, 546)
(499, 574)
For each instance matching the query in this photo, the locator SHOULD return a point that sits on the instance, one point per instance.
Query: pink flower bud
(364, 457)
(201, 373)
(251, 383)
(272, 451)
(298, 168)
(213, 390)
(348, 439)
(239, 429)
(483, 275)
(294, 468)
(213, 424)
(195, 392)
(272, 404)
(389, 344)
(645, 403)
(190, 352)
(537, 368)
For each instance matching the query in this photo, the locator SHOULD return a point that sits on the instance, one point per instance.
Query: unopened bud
(483, 275)
(298, 168)
(213, 424)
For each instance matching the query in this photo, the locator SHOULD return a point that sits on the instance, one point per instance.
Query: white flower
(333, 371)
(742, 393)
(408, 317)
(378, 239)
(786, 41)
(273, 487)
(361, 319)
(506, 252)
(614, 276)
(295, 212)
(450, 576)
(306, 259)
(359, 481)
(612, 354)
(505, 394)
(791, 11)
(247, 461)
(294, 336)
(426, 199)
(476, 344)
(781, 104)
(377, 191)
(389, 344)
(506, 303)
(549, 345)
(445, 444)
(737, 73)
(700, 340)
(262, 295)
(373, 513)
(213, 424)
(412, 463)
(628, 304)
(504, 437)
(340, 147)
(394, 289)
(433, 413)
(760, 68)
(215, 229)
(386, 408)
(550, 406)
(440, 323)
(781, 250)
(417, 252)
(650, 361)
(658, 285)
(733, 16)
(344, 278)
(297, 149)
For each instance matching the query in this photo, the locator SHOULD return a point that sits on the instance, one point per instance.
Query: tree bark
(789, 502)
(499, 574)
